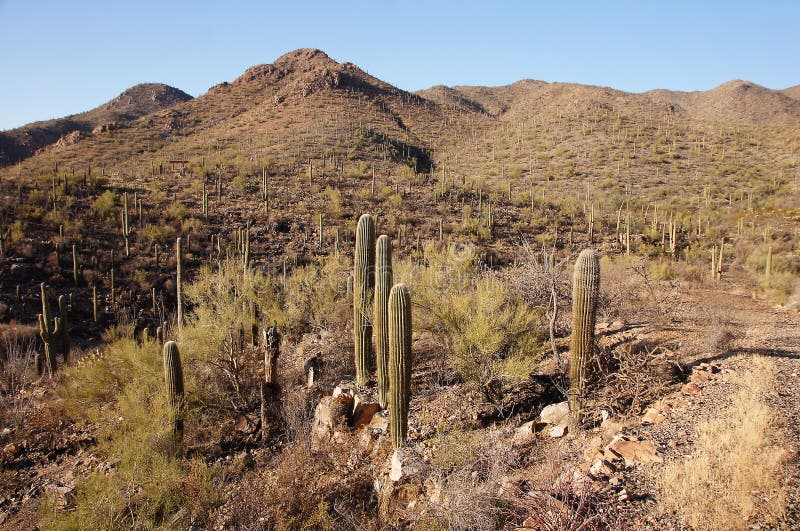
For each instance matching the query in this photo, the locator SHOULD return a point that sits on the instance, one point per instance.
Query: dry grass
(733, 474)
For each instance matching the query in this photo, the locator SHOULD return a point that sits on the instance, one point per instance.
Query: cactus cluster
(390, 321)
(585, 290)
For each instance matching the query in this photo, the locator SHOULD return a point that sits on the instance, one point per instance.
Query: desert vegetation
(310, 300)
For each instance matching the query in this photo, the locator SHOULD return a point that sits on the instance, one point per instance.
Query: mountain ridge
(139, 100)
(302, 81)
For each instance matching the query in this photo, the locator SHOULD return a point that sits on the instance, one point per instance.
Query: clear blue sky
(62, 57)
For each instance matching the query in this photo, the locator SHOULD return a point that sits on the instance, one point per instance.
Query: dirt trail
(758, 330)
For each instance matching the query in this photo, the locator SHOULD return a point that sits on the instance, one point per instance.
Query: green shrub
(487, 331)
(104, 205)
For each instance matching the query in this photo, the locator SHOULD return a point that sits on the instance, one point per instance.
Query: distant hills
(291, 91)
(23, 142)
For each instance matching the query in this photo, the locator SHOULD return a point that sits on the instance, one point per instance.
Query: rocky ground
(609, 474)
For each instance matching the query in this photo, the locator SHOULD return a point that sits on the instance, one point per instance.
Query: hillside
(218, 362)
(736, 102)
(137, 101)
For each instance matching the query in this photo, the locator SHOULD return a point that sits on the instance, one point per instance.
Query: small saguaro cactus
(75, 270)
(126, 228)
(173, 377)
(585, 290)
(63, 327)
(94, 303)
(383, 284)
(49, 329)
(399, 363)
(363, 284)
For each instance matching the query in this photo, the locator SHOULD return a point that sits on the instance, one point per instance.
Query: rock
(691, 388)
(344, 388)
(652, 416)
(331, 413)
(558, 431)
(601, 468)
(633, 452)
(555, 413)
(10, 449)
(63, 495)
(407, 464)
(245, 424)
(623, 495)
(363, 412)
(609, 428)
(525, 434)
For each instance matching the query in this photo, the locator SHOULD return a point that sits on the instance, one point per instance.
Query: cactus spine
(363, 284)
(383, 284)
(399, 363)
(173, 377)
(585, 289)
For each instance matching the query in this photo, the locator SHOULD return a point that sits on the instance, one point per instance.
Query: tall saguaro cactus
(383, 284)
(585, 290)
(178, 291)
(173, 377)
(363, 284)
(399, 363)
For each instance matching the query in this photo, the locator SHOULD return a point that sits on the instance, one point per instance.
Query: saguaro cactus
(383, 284)
(63, 327)
(399, 362)
(173, 377)
(179, 271)
(74, 265)
(49, 329)
(126, 228)
(585, 290)
(363, 284)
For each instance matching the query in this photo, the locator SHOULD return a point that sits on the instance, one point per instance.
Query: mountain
(792, 92)
(735, 102)
(20, 143)
(307, 105)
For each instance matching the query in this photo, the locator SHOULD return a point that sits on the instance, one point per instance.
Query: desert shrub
(121, 390)
(315, 294)
(177, 211)
(160, 234)
(333, 198)
(222, 300)
(483, 326)
(103, 206)
(304, 490)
